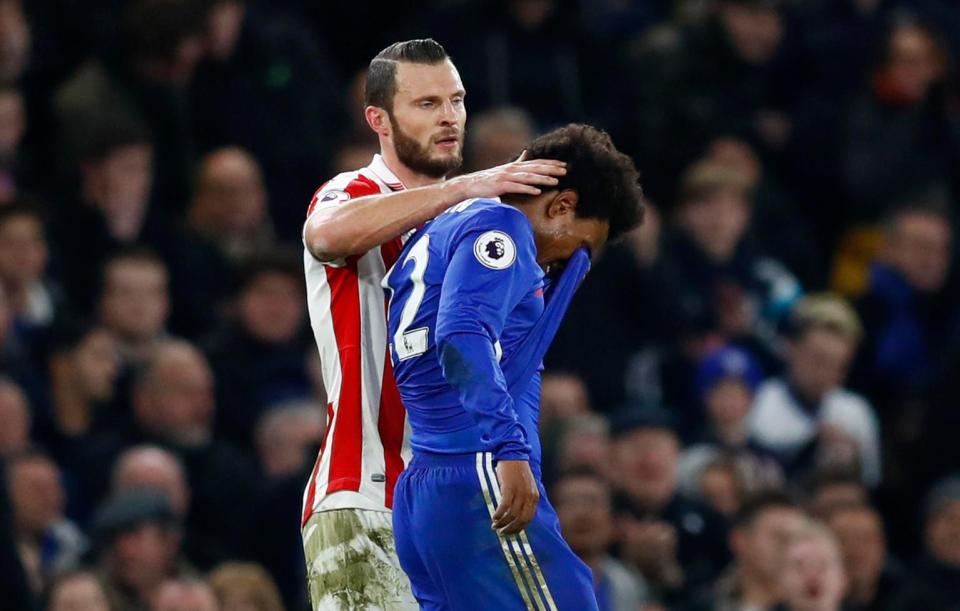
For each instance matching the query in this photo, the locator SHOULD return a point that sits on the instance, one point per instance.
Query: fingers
(516, 187)
(539, 166)
(514, 513)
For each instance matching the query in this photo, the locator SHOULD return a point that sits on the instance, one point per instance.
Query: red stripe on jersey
(390, 252)
(347, 442)
(312, 485)
(390, 426)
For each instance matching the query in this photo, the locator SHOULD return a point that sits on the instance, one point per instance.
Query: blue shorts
(442, 509)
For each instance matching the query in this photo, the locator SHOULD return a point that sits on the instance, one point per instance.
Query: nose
(448, 113)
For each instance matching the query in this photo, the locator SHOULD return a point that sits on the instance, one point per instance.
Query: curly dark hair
(607, 182)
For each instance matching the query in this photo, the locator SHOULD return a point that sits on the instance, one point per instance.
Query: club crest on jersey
(335, 195)
(495, 249)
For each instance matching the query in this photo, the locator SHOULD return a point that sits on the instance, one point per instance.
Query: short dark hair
(106, 133)
(607, 182)
(137, 253)
(381, 83)
(279, 260)
(761, 501)
(926, 204)
(22, 207)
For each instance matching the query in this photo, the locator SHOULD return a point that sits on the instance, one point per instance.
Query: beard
(417, 157)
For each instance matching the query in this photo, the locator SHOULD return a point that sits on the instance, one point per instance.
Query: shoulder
(490, 214)
(343, 187)
(850, 402)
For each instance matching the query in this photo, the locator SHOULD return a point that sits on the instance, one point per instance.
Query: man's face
(943, 535)
(819, 361)
(135, 302)
(812, 578)
(583, 506)
(15, 416)
(13, 123)
(647, 460)
(836, 494)
(23, 251)
(178, 596)
(36, 494)
(97, 364)
(760, 546)
(728, 402)
(754, 31)
(231, 198)
(14, 40)
(862, 543)
(79, 593)
(920, 250)
(178, 403)
(141, 557)
(913, 65)
(716, 222)
(119, 186)
(428, 118)
(272, 307)
(154, 470)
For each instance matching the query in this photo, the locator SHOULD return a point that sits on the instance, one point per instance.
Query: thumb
(523, 156)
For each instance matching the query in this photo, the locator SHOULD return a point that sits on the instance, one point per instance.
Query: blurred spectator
(184, 594)
(84, 365)
(77, 591)
(562, 395)
(288, 436)
(761, 530)
(244, 587)
(135, 303)
(15, 33)
(47, 540)
(899, 135)
(717, 270)
(806, 417)
(873, 580)
(909, 317)
(23, 266)
(108, 211)
(496, 137)
(13, 125)
(139, 539)
(262, 350)
(518, 53)
(724, 77)
(230, 204)
(583, 442)
(674, 542)
(719, 485)
(173, 407)
(583, 501)
(354, 154)
(935, 583)
(833, 488)
(266, 79)
(16, 418)
(812, 576)
(628, 285)
(726, 382)
(152, 467)
(144, 81)
(15, 586)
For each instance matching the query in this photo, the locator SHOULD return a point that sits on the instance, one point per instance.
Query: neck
(757, 591)
(409, 178)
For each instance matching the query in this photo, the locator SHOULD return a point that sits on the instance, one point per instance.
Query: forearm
(367, 222)
(470, 365)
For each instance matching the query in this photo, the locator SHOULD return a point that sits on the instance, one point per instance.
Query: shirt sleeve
(492, 266)
(336, 193)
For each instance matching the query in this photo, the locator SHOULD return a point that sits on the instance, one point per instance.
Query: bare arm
(366, 222)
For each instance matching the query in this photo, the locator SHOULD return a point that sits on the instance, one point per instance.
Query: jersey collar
(381, 171)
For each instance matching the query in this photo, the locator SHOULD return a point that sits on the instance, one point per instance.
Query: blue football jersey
(464, 294)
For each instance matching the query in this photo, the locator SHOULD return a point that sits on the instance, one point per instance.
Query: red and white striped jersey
(366, 443)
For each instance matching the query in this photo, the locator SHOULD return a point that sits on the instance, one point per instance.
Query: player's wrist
(453, 191)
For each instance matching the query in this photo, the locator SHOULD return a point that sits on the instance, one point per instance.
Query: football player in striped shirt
(355, 228)
(469, 322)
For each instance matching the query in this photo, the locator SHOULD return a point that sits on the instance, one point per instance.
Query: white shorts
(352, 564)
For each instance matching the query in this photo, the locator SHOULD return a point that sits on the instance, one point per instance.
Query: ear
(378, 120)
(563, 204)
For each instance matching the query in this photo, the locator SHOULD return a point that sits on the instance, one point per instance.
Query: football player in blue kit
(475, 299)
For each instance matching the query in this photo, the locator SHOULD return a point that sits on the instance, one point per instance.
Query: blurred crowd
(754, 402)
